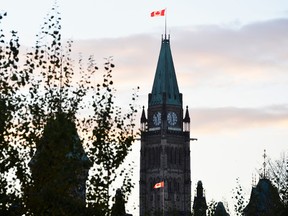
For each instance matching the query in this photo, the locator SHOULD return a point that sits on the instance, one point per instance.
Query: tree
(278, 172)
(110, 142)
(239, 199)
(11, 80)
(45, 124)
(59, 165)
(211, 208)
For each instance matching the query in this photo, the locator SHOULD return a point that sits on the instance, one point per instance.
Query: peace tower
(165, 144)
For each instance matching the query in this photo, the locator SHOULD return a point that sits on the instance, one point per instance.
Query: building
(264, 200)
(220, 210)
(59, 170)
(165, 144)
(199, 204)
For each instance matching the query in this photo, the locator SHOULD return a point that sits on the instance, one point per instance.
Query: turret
(143, 120)
(165, 147)
(186, 121)
(200, 205)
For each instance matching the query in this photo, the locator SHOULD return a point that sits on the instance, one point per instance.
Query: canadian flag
(158, 13)
(159, 185)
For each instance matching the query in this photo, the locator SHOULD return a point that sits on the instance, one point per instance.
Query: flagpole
(163, 198)
(165, 22)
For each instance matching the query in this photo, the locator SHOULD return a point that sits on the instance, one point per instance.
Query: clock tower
(165, 144)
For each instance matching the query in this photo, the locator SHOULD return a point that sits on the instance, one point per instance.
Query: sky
(231, 61)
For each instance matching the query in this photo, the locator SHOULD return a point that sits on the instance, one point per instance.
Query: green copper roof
(165, 88)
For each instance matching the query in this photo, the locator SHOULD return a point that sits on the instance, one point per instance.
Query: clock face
(157, 118)
(172, 118)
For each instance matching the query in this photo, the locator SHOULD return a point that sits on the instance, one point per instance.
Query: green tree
(111, 140)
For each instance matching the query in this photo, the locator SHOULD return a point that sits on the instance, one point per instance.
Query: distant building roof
(220, 210)
(264, 200)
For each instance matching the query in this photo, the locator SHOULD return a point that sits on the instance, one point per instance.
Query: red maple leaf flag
(158, 13)
(159, 185)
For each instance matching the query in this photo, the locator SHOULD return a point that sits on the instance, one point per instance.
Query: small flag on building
(158, 13)
(159, 185)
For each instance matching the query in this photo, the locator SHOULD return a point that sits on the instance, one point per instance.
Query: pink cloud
(214, 120)
(253, 53)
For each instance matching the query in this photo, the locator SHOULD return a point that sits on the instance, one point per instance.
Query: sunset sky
(231, 60)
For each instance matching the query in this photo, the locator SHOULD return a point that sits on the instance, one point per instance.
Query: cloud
(252, 53)
(249, 64)
(215, 120)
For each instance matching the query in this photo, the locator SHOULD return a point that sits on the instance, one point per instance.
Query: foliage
(11, 80)
(110, 142)
(52, 88)
(278, 172)
(211, 208)
(239, 199)
(45, 126)
(49, 122)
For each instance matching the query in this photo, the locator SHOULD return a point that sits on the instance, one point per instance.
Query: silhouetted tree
(278, 172)
(111, 140)
(239, 199)
(211, 208)
(42, 127)
(11, 162)
(50, 127)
